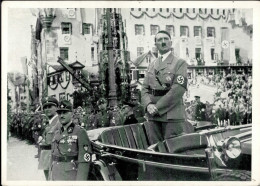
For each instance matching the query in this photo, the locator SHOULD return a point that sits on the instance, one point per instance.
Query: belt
(64, 158)
(157, 92)
(45, 147)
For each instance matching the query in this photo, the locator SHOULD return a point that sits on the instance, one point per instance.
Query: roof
(141, 58)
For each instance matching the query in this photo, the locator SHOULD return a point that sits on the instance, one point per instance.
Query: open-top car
(207, 153)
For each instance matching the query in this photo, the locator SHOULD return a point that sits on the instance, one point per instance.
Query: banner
(24, 64)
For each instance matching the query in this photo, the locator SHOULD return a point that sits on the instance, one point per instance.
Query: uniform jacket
(170, 106)
(73, 142)
(47, 135)
(103, 118)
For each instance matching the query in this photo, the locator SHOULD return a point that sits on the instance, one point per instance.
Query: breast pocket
(168, 78)
(49, 137)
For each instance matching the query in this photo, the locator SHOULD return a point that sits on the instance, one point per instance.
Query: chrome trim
(162, 165)
(149, 152)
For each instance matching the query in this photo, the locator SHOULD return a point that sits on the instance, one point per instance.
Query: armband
(181, 80)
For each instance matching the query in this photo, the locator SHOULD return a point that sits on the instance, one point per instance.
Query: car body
(208, 153)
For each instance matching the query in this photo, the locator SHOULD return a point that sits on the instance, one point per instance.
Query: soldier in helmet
(103, 114)
(50, 123)
(71, 148)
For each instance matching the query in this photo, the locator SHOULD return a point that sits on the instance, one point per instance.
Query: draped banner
(178, 17)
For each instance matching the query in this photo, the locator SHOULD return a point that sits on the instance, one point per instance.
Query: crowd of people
(232, 101)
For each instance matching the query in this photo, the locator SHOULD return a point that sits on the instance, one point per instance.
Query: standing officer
(200, 109)
(103, 114)
(50, 125)
(71, 148)
(163, 88)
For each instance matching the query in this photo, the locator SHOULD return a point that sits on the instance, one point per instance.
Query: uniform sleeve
(174, 96)
(146, 100)
(84, 155)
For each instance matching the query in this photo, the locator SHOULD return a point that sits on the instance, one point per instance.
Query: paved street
(21, 164)
(205, 92)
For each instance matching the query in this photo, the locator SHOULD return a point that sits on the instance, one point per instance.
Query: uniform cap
(197, 97)
(50, 101)
(64, 105)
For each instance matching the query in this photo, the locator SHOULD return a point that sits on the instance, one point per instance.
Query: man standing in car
(162, 91)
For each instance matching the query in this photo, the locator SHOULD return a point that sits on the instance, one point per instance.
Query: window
(60, 78)
(211, 11)
(224, 12)
(146, 9)
(187, 10)
(170, 29)
(66, 28)
(86, 28)
(139, 29)
(174, 10)
(92, 53)
(184, 31)
(200, 11)
(167, 9)
(233, 10)
(154, 9)
(154, 29)
(205, 10)
(140, 51)
(194, 10)
(139, 9)
(180, 10)
(64, 53)
(155, 51)
(210, 32)
(197, 30)
(197, 53)
(217, 11)
(132, 9)
(160, 9)
(212, 53)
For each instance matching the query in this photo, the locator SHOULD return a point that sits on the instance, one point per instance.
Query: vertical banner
(225, 42)
(24, 64)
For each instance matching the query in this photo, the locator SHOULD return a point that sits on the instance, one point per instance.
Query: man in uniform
(127, 114)
(103, 114)
(200, 109)
(71, 148)
(163, 88)
(138, 110)
(50, 125)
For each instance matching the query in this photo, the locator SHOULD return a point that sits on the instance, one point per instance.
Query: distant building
(69, 33)
(210, 40)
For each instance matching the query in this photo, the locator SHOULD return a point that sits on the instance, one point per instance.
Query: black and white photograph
(128, 91)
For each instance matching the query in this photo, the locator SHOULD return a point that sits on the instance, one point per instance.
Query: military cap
(101, 101)
(197, 97)
(50, 101)
(64, 105)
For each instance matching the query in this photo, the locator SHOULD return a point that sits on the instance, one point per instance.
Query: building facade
(210, 40)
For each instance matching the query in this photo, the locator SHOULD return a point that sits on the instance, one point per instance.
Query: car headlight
(232, 147)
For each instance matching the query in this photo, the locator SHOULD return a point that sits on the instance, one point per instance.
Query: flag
(24, 64)
(38, 29)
